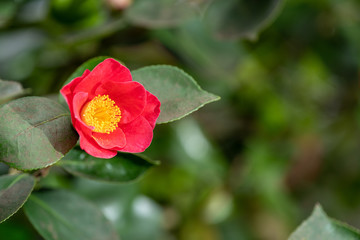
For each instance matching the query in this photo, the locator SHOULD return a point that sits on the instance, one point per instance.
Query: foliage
(320, 226)
(15, 189)
(35, 133)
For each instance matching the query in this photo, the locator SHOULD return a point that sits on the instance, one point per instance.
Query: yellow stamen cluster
(101, 113)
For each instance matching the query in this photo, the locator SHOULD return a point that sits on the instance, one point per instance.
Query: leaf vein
(51, 211)
(41, 123)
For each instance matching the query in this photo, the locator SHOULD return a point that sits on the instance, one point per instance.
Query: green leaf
(35, 132)
(160, 13)
(178, 92)
(320, 226)
(10, 90)
(123, 167)
(60, 215)
(14, 191)
(241, 18)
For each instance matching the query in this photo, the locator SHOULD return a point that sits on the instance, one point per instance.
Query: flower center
(102, 114)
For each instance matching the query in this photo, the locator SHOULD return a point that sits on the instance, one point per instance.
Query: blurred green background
(284, 136)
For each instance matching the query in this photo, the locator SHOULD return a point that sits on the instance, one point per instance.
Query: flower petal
(79, 100)
(108, 70)
(115, 139)
(138, 135)
(152, 109)
(130, 97)
(68, 89)
(139, 109)
(87, 143)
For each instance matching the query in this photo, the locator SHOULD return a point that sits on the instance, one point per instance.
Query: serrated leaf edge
(319, 210)
(213, 96)
(31, 127)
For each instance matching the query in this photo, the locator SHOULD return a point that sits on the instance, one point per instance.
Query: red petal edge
(138, 134)
(152, 109)
(115, 139)
(108, 70)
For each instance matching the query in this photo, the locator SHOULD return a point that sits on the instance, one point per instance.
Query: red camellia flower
(110, 111)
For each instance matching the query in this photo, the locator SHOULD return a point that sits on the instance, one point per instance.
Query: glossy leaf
(59, 215)
(10, 90)
(320, 226)
(160, 13)
(177, 91)
(240, 18)
(121, 168)
(35, 132)
(14, 191)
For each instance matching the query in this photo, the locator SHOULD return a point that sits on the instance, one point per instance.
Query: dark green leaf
(60, 215)
(14, 191)
(35, 132)
(10, 90)
(241, 18)
(160, 13)
(320, 226)
(123, 167)
(178, 92)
